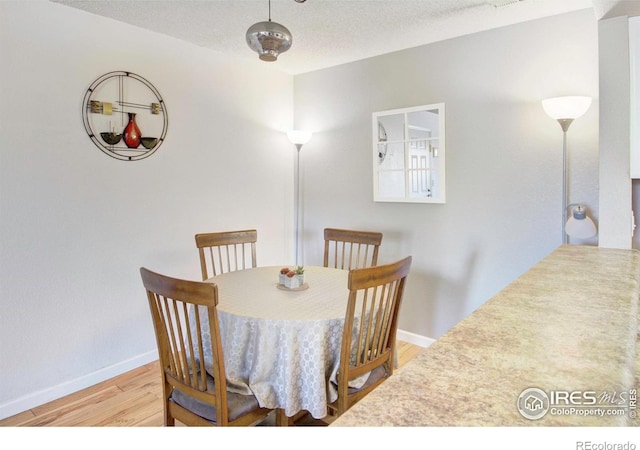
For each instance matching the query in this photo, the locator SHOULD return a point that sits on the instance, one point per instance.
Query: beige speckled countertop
(568, 324)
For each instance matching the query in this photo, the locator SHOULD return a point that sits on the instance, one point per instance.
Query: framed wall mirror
(409, 155)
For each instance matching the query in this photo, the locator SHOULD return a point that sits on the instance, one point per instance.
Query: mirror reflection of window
(409, 163)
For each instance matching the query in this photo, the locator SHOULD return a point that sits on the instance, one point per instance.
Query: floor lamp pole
(564, 124)
(564, 186)
(298, 138)
(298, 207)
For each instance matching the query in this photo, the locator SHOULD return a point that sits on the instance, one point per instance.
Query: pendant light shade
(269, 39)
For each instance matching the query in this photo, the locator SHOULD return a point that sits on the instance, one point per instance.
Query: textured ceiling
(325, 32)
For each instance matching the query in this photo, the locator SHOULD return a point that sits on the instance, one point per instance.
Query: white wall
(634, 57)
(504, 158)
(634, 90)
(76, 225)
(615, 136)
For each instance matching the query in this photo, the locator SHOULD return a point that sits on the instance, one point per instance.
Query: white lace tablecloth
(282, 346)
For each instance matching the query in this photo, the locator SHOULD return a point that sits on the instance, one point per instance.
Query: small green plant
(299, 270)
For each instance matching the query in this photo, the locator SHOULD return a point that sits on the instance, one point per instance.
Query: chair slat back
(351, 249)
(226, 251)
(177, 308)
(369, 335)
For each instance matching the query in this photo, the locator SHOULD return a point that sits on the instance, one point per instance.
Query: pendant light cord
(297, 1)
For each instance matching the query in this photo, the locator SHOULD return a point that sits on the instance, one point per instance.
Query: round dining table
(283, 346)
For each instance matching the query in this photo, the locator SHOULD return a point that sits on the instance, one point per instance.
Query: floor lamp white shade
(565, 110)
(298, 138)
(570, 107)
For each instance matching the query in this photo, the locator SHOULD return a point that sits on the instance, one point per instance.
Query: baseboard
(55, 392)
(415, 339)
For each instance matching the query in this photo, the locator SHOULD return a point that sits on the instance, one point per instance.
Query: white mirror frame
(419, 168)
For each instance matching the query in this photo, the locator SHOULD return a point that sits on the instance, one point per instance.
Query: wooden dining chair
(351, 249)
(226, 251)
(369, 335)
(190, 394)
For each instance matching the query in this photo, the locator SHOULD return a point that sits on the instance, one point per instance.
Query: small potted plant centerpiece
(300, 275)
(291, 278)
(294, 278)
(282, 279)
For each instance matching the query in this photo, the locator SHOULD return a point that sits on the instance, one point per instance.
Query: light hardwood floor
(132, 399)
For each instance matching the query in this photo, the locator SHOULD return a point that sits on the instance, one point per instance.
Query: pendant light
(269, 38)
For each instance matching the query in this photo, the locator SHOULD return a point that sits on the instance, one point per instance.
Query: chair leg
(281, 418)
(298, 416)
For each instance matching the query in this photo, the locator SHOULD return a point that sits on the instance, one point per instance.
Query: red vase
(132, 132)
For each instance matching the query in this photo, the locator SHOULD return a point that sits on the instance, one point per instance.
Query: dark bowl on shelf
(111, 138)
(148, 142)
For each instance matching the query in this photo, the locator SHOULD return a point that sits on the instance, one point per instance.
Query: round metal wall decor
(125, 116)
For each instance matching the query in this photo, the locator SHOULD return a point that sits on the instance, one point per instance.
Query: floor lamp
(565, 110)
(298, 138)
